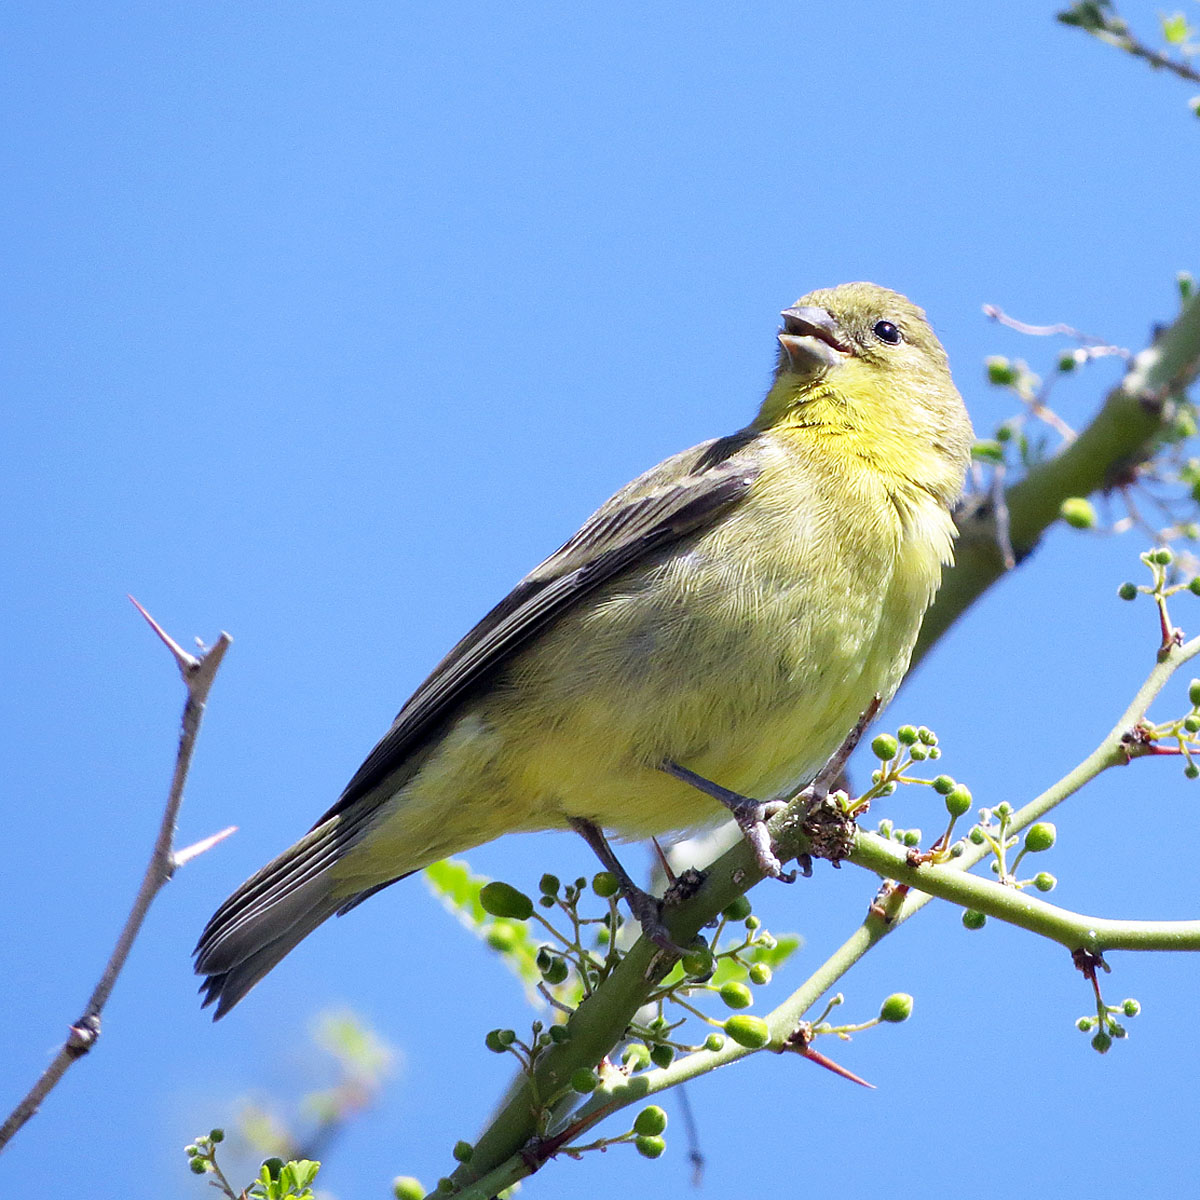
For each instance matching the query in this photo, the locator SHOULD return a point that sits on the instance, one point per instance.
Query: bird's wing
(678, 497)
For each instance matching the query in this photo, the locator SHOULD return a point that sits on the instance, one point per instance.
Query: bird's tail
(271, 912)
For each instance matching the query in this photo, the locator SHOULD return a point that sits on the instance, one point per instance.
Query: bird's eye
(885, 331)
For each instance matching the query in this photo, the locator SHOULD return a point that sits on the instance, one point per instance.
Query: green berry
(405, 1187)
(499, 1040)
(912, 837)
(977, 836)
(463, 1151)
(1101, 1042)
(1191, 723)
(698, 962)
(751, 1032)
(216, 1136)
(1044, 881)
(503, 900)
(1131, 1008)
(760, 974)
(885, 747)
(649, 1147)
(1078, 513)
(1085, 1024)
(896, 1008)
(1067, 362)
(1127, 591)
(198, 1166)
(650, 1122)
(958, 800)
(1194, 693)
(943, 785)
(927, 736)
(549, 885)
(737, 910)
(906, 735)
(1194, 585)
(1162, 556)
(605, 884)
(918, 753)
(1117, 1029)
(446, 1186)
(636, 1056)
(1040, 837)
(555, 971)
(558, 1034)
(1000, 371)
(714, 1043)
(662, 1055)
(753, 922)
(736, 995)
(584, 1081)
(972, 918)
(1191, 771)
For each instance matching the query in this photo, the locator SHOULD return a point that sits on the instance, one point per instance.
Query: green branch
(1125, 431)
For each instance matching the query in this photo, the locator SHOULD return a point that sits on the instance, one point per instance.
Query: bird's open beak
(812, 342)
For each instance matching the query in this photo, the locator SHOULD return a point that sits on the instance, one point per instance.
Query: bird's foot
(751, 816)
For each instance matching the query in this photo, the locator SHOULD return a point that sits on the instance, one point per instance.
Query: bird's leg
(751, 816)
(645, 907)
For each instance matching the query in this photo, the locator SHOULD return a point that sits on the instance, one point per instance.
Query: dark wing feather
(677, 498)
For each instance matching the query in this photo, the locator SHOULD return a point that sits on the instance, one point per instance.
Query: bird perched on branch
(703, 643)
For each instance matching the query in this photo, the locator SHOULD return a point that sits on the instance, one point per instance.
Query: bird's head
(861, 362)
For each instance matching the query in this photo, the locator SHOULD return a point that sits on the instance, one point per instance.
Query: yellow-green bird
(713, 630)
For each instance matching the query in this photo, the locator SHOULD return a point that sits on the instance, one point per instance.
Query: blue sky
(325, 322)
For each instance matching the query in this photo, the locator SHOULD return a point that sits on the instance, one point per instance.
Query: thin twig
(198, 675)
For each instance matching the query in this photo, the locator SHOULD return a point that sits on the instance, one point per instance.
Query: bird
(701, 645)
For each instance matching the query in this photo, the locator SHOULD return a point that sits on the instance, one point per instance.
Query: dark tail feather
(271, 913)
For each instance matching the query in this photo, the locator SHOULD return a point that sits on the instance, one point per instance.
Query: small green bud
(736, 995)
(1067, 361)
(605, 884)
(918, 753)
(1101, 1042)
(906, 735)
(662, 1055)
(896, 1008)
(714, 1043)
(1085, 1024)
(1194, 693)
(1078, 513)
(751, 1032)
(737, 910)
(1000, 371)
(1184, 279)
(943, 785)
(555, 971)
(885, 747)
(558, 1034)
(549, 885)
(584, 1080)
(1131, 1008)
(1162, 556)
(1191, 723)
(1191, 771)
(463, 1151)
(650, 1122)
(198, 1166)
(191, 1151)
(1127, 591)
(912, 837)
(977, 836)
(636, 1056)
(766, 941)
(927, 736)
(1044, 881)
(1004, 809)
(972, 918)
(698, 962)
(216, 1136)
(503, 900)
(885, 828)
(760, 974)
(649, 1147)
(753, 922)
(1004, 433)
(1117, 1029)
(546, 901)
(958, 850)
(1040, 837)
(446, 1186)
(958, 800)
(935, 752)
(499, 1040)
(405, 1187)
